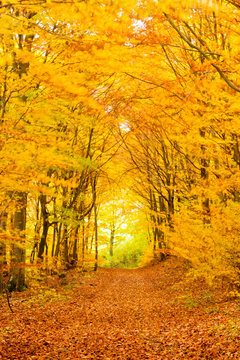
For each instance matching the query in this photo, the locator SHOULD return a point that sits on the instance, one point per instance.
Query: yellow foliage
(137, 94)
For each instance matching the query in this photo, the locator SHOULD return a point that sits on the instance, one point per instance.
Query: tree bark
(45, 216)
(57, 250)
(75, 245)
(17, 277)
(112, 240)
(3, 261)
(96, 237)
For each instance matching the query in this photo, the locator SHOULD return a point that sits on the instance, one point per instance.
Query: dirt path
(123, 314)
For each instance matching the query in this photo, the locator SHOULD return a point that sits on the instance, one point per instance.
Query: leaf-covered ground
(147, 313)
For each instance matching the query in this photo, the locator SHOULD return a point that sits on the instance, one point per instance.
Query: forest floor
(148, 313)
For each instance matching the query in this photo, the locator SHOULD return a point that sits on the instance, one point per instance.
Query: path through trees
(147, 313)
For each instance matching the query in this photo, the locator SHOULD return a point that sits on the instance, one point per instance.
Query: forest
(120, 162)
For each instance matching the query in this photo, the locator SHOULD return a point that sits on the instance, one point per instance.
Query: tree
(94, 92)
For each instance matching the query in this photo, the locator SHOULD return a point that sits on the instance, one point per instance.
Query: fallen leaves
(128, 315)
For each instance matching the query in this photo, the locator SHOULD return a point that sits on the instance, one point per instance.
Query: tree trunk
(112, 240)
(55, 232)
(3, 261)
(96, 237)
(45, 215)
(57, 250)
(75, 246)
(65, 246)
(17, 277)
(83, 244)
(204, 176)
(87, 230)
(36, 232)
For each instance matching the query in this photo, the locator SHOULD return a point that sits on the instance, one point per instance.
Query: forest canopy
(119, 130)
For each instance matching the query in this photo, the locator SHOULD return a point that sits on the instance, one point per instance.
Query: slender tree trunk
(65, 246)
(75, 246)
(45, 215)
(55, 229)
(161, 220)
(83, 244)
(91, 246)
(236, 158)
(3, 261)
(96, 237)
(55, 233)
(57, 250)
(111, 243)
(17, 277)
(153, 220)
(36, 232)
(204, 176)
(87, 229)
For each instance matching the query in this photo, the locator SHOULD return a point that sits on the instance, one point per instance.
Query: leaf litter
(154, 312)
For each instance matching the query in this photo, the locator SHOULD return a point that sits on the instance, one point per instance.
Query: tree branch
(203, 53)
